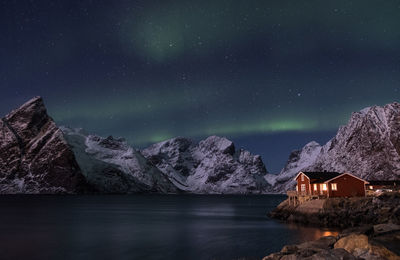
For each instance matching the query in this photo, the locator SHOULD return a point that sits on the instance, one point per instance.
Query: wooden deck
(297, 198)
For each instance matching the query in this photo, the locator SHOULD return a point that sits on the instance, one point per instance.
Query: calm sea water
(144, 227)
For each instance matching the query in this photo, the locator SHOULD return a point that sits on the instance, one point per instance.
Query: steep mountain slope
(298, 161)
(211, 166)
(112, 166)
(34, 156)
(368, 146)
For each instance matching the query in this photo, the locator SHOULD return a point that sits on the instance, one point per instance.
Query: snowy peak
(215, 144)
(210, 166)
(367, 146)
(298, 161)
(112, 166)
(29, 119)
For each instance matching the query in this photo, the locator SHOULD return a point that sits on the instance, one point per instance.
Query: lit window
(334, 186)
(297, 188)
(371, 187)
(303, 187)
(302, 177)
(315, 186)
(323, 187)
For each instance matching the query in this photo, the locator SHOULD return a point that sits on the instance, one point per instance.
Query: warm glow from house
(334, 186)
(315, 186)
(324, 187)
(371, 187)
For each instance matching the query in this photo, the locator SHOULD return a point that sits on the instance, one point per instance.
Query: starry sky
(269, 75)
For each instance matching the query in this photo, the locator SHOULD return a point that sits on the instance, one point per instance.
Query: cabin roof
(324, 177)
(319, 177)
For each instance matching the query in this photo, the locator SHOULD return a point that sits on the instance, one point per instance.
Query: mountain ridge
(367, 146)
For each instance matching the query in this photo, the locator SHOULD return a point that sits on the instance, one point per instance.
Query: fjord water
(144, 227)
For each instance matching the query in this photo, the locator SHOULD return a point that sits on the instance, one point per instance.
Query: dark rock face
(34, 156)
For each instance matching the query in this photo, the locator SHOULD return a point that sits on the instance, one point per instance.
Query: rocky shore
(373, 228)
(368, 242)
(342, 212)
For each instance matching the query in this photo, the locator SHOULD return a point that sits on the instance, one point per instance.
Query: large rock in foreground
(34, 156)
(361, 243)
(210, 166)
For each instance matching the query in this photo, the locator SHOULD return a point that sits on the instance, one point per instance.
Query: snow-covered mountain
(38, 157)
(298, 161)
(211, 166)
(368, 146)
(112, 166)
(34, 156)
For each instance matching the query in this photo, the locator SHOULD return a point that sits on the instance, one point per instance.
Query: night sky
(270, 75)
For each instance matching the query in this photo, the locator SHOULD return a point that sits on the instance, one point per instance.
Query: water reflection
(144, 227)
(304, 233)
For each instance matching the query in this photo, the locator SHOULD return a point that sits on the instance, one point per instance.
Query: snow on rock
(34, 156)
(112, 166)
(368, 147)
(210, 166)
(298, 161)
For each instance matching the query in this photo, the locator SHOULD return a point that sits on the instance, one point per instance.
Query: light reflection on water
(144, 227)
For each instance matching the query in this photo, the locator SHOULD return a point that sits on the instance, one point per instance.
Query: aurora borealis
(270, 75)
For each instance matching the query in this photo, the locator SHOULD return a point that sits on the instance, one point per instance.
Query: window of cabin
(324, 187)
(315, 186)
(334, 186)
(297, 188)
(371, 187)
(303, 187)
(302, 177)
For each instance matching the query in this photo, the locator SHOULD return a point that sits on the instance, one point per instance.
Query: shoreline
(370, 228)
(366, 242)
(342, 212)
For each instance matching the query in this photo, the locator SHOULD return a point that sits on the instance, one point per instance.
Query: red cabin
(330, 184)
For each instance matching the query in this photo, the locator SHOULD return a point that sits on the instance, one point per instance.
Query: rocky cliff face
(112, 166)
(210, 166)
(34, 156)
(368, 146)
(298, 161)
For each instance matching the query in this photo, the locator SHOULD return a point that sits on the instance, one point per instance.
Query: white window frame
(303, 187)
(302, 177)
(315, 187)
(334, 186)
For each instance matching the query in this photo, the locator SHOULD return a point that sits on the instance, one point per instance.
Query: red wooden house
(330, 184)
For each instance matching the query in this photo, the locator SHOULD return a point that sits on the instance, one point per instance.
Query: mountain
(368, 147)
(112, 166)
(211, 166)
(34, 156)
(298, 161)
